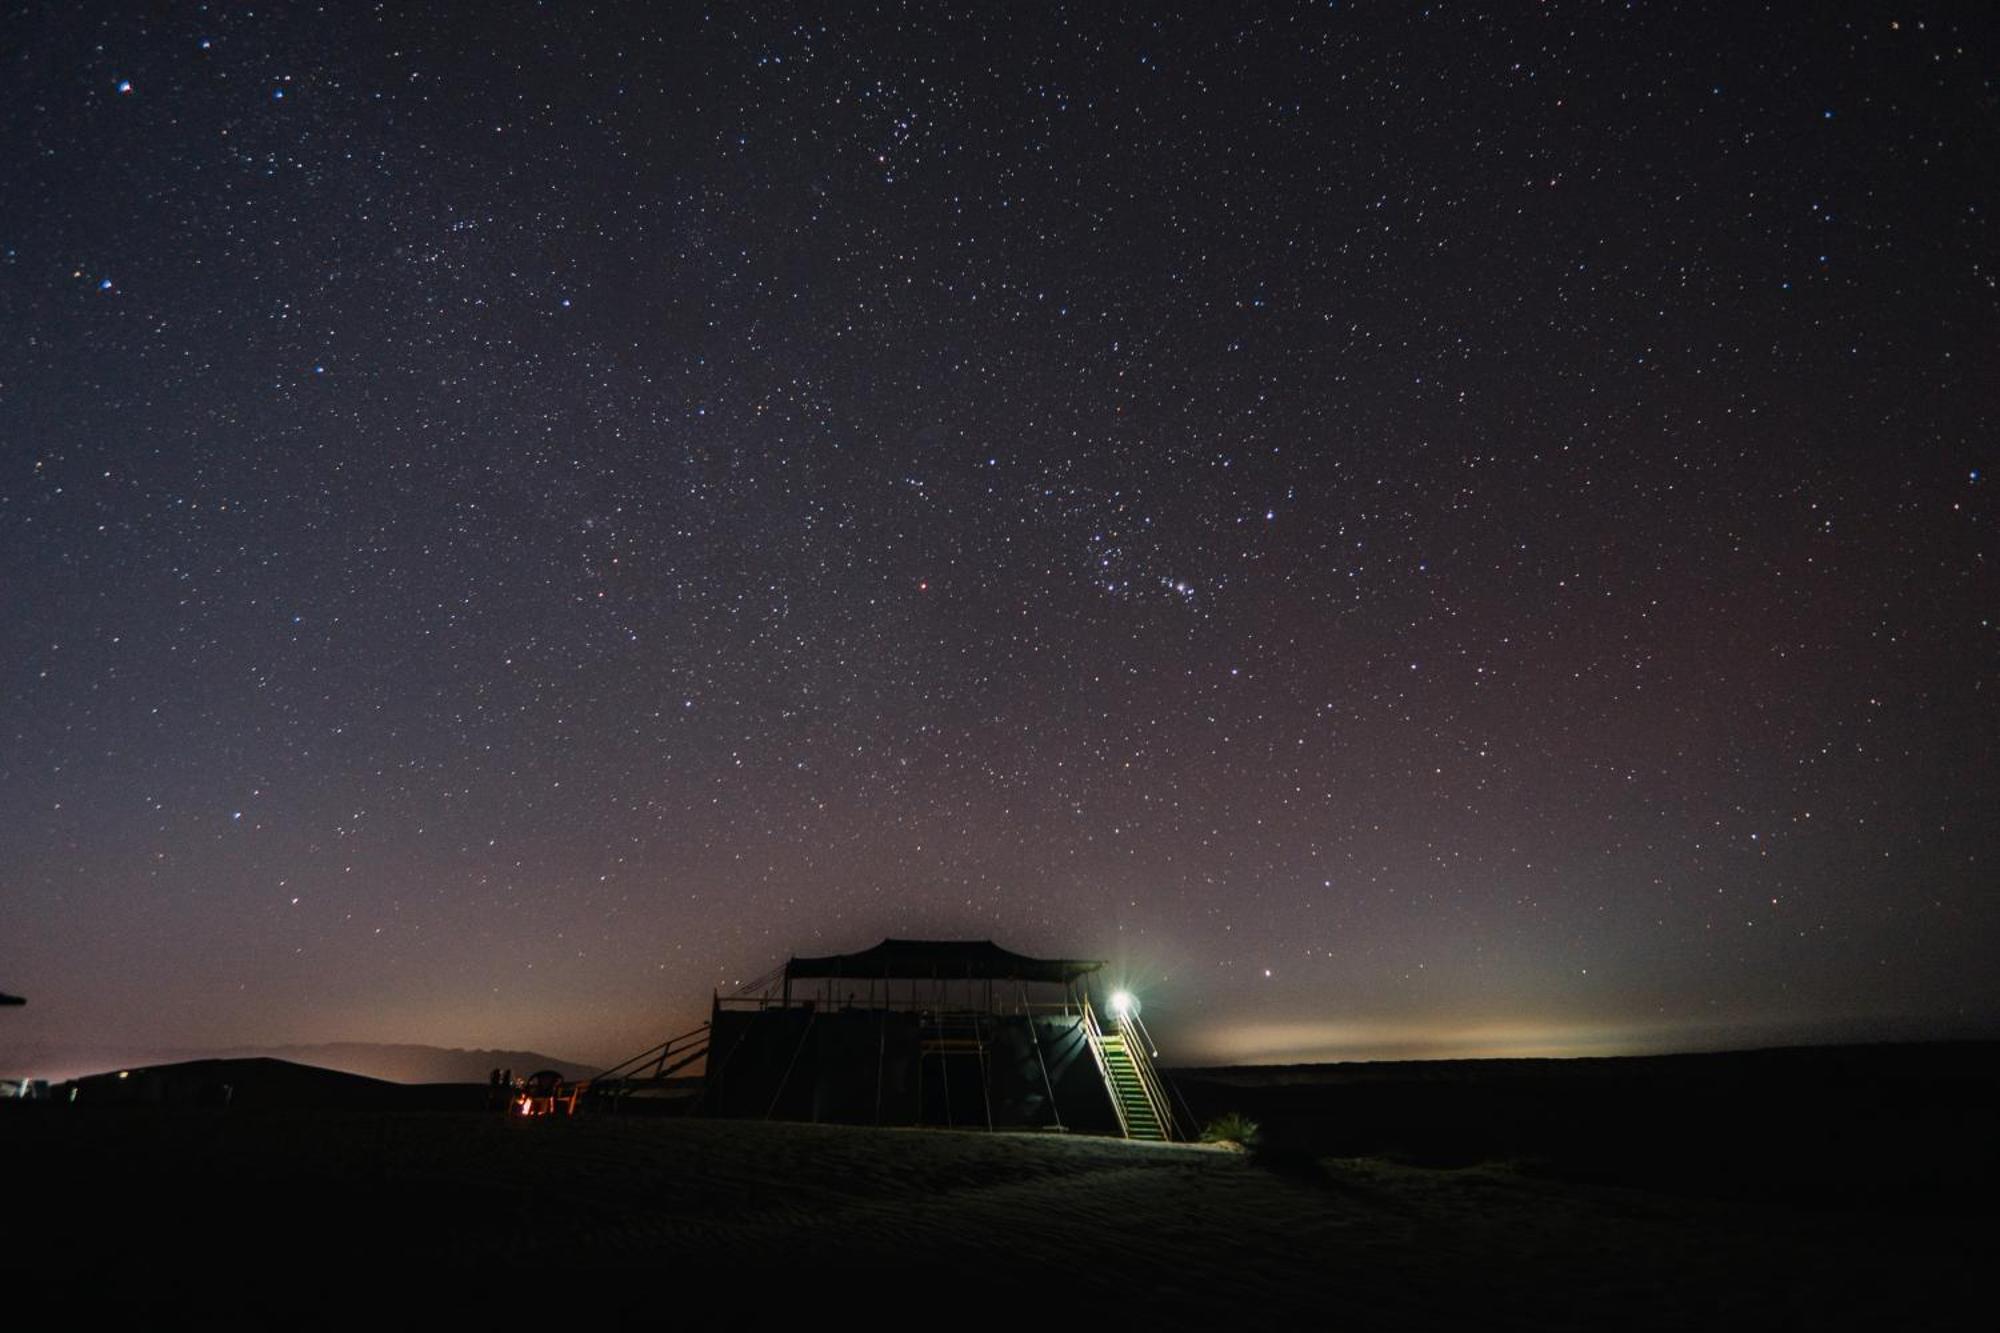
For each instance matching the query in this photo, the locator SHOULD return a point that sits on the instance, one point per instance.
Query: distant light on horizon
(1333, 1042)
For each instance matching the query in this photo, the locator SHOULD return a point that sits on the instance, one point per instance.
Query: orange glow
(1309, 1042)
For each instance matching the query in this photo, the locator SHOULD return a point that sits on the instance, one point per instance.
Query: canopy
(975, 960)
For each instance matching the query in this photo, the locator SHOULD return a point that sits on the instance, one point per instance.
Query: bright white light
(1122, 1004)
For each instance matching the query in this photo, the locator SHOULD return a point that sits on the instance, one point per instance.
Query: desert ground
(1469, 1221)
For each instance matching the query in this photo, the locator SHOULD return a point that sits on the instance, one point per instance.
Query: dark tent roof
(977, 960)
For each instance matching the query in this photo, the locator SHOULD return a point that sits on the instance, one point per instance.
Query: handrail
(1152, 1049)
(919, 1006)
(1149, 1079)
(659, 1055)
(1094, 1038)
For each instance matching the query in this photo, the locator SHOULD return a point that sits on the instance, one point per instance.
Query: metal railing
(1094, 1038)
(669, 1057)
(1137, 1044)
(1133, 1030)
(899, 1004)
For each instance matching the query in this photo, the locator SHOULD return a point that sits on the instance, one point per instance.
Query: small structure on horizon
(956, 1033)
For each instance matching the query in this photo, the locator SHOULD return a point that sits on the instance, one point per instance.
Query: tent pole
(777, 1096)
(881, 1048)
(944, 1066)
(1035, 1035)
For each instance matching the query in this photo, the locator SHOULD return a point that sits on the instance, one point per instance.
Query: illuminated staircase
(1136, 1110)
(1123, 1057)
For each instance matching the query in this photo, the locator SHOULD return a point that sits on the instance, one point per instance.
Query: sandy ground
(769, 1219)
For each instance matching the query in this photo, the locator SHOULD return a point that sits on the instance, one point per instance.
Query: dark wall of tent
(881, 1066)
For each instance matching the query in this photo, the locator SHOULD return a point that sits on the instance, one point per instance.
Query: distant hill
(258, 1082)
(418, 1064)
(393, 1063)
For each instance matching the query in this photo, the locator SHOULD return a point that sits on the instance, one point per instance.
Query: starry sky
(1450, 529)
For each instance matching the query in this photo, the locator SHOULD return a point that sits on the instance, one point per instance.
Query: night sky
(1454, 529)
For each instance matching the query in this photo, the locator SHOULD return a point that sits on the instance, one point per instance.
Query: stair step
(1129, 1089)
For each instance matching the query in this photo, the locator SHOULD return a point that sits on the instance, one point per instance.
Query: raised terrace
(958, 1033)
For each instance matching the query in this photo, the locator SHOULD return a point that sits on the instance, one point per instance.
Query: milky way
(1403, 528)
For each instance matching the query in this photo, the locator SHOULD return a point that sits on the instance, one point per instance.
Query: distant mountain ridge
(409, 1063)
(390, 1062)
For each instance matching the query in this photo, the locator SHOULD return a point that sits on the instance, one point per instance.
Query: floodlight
(1123, 1005)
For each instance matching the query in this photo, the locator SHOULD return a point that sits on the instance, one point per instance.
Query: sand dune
(774, 1217)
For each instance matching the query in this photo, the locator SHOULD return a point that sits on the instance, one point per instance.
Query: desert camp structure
(959, 1033)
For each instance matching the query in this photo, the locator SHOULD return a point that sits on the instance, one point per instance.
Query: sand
(769, 1220)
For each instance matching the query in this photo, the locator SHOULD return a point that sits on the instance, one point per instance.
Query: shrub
(1231, 1127)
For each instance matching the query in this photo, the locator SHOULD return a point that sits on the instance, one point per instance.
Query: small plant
(1231, 1127)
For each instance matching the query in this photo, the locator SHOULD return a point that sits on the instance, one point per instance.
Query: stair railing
(1139, 1048)
(1094, 1038)
(669, 1056)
